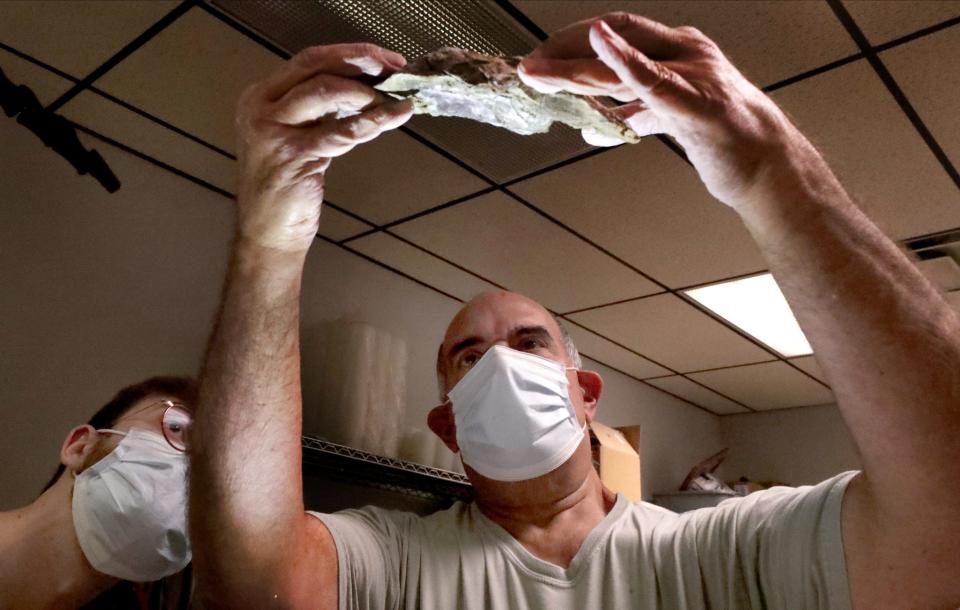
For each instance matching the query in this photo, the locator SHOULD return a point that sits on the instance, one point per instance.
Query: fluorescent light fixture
(756, 306)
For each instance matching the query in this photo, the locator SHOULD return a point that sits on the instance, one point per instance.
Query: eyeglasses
(175, 422)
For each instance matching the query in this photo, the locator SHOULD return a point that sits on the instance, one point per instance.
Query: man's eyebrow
(538, 332)
(535, 331)
(459, 346)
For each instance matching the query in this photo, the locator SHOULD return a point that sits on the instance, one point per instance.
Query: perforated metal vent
(410, 27)
(415, 27)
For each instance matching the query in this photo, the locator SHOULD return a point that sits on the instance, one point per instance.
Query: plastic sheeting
(355, 390)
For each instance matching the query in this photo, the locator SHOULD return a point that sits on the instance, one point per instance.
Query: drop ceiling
(606, 238)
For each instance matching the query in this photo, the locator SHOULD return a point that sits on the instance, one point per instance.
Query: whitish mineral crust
(454, 82)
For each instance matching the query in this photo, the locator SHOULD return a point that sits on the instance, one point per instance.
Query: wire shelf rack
(364, 468)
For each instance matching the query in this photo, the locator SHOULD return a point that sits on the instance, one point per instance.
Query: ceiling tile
(500, 154)
(672, 332)
(76, 37)
(605, 352)
(647, 206)
(771, 385)
(883, 21)
(697, 394)
(201, 99)
(336, 225)
(954, 299)
(417, 263)
(810, 365)
(929, 74)
(500, 239)
(943, 272)
(114, 121)
(395, 176)
(45, 84)
(768, 43)
(873, 148)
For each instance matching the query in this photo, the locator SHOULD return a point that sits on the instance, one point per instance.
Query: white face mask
(514, 417)
(130, 509)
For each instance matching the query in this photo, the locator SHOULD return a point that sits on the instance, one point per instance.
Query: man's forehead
(496, 314)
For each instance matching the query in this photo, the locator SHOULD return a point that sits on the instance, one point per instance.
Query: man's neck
(551, 515)
(41, 564)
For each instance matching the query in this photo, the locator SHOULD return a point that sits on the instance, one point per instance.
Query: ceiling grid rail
(870, 53)
(203, 183)
(643, 381)
(867, 52)
(122, 54)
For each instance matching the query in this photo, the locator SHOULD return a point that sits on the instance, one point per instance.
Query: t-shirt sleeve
(370, 545)
(779, 548)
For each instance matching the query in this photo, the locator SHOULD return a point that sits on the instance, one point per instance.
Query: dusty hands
(291, 125)
(677, 82)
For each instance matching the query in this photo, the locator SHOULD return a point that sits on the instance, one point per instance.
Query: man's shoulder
(456, 516)
(759, 509)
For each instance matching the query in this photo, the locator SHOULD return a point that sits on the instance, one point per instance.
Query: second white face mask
(514, 417)
(130, 509)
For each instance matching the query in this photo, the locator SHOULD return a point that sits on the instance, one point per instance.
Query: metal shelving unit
(323, 460)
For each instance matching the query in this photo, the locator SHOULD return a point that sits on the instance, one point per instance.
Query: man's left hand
(677, 82)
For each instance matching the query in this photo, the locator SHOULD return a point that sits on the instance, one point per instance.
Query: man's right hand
(292, 124)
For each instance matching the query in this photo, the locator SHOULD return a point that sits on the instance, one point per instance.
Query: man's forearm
(246, 478)
(887, 340)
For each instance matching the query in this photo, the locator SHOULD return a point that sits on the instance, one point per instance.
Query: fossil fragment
(459, 83)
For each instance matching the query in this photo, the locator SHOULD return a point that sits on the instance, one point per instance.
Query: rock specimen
(459, 83)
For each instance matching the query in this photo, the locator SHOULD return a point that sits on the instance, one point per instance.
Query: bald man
(544, 532)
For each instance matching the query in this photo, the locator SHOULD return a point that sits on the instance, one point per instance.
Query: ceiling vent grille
(939, 258)
(415, 27)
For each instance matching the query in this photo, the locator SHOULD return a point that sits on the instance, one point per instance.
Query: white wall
(795, 446)
(99, 291)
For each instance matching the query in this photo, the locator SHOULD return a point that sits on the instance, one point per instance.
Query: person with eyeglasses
(110, 528)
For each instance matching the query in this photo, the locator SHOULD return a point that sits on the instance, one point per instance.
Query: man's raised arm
(887, 340)
(254, 547)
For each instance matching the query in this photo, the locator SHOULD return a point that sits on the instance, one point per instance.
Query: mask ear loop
(104, 431)
(586, 426)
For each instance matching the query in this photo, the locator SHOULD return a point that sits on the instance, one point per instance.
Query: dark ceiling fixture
(414, 28)
(55, 131)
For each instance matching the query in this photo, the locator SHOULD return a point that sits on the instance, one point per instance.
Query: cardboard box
(617, 459)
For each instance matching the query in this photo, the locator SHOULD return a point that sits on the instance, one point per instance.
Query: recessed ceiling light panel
(756, 306)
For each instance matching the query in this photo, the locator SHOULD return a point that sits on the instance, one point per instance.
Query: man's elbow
(295, 567)
(251, 586)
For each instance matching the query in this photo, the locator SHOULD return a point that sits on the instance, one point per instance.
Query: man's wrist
(793, 171)
(250, 256)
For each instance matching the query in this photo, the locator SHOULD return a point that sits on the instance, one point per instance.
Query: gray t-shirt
(779, 548)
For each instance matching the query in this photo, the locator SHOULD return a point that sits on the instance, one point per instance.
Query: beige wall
(796, 446)
(100, 290)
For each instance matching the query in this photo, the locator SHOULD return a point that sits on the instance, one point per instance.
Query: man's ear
(440, 420)
(591, 384)
(77, 447)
